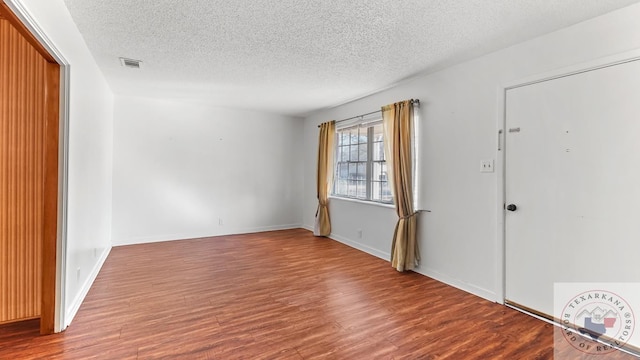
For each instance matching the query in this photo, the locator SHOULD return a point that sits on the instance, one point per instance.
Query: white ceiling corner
(296, 56)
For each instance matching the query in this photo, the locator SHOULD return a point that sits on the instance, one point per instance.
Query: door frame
(36, 32)
(599, 63)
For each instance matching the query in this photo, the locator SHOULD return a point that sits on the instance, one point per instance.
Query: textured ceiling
(296, 56)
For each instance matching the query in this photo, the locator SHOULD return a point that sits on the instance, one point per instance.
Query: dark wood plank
(50, 221)
(277, 295)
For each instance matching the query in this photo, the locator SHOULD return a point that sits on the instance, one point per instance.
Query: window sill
(364, 202)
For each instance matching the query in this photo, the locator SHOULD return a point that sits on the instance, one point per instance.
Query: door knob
(511, 207)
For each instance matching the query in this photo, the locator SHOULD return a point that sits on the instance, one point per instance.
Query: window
(361, 169)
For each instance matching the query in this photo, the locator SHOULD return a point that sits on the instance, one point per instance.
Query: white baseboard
(72, 310)
(456, 283)
(197, 235)
(354, 244)
(362, 247)
(466, 287)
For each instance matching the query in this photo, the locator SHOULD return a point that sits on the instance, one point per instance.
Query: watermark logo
(596, 320)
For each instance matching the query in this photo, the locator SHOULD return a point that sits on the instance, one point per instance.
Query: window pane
(341, 187)
(386, 192)
(378, 144)
(362, 189)
(362, 171)
(362, 138)
(344, 153)
(353, 171)
(353, 134)
(352, 187)
(343, 171)
(375, 190)
(377, 172)
(378, 151)
(362, 151)
(354, 153)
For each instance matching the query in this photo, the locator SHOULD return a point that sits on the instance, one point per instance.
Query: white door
(573, 172)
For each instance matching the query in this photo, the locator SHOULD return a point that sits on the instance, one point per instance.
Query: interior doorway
(29, 187)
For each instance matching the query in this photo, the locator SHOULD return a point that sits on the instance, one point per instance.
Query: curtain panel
(326, 140)
(398, 134)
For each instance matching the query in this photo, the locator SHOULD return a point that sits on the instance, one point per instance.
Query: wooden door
(573, 173)
(29, 131)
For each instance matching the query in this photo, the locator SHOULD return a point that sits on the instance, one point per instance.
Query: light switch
(486, 166)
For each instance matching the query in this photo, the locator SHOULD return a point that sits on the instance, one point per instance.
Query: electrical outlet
(78, 274)
(359, 231)
(220, 223)
(486, 166)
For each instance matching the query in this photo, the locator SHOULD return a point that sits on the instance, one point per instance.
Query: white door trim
(592, 65)
(61, 247)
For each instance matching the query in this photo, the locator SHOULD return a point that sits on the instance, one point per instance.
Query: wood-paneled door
(29, 137)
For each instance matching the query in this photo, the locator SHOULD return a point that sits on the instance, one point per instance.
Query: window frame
(369, 163)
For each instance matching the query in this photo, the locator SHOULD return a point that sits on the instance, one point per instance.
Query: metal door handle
(511, 207)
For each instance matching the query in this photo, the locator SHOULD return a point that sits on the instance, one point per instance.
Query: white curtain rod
(414, 101)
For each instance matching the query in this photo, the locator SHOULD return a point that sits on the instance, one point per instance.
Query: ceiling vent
(130, 63)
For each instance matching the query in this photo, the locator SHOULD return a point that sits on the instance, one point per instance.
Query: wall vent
(130, 63)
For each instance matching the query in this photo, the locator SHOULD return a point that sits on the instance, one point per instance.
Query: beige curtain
(325, 177)
(398, 134)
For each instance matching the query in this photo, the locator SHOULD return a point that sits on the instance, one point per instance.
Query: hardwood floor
(276, 295)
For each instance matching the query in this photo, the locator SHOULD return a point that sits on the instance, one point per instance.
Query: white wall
(90, 152)
(181, 167)
(460, 113)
